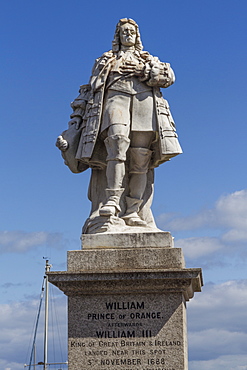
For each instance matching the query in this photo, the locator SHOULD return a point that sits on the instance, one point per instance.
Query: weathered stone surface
(128, 240)
(125, 259)
(127, 332)
(127, 307)
(132, 320)
(185, 281)
(122, 128)
(128, 286)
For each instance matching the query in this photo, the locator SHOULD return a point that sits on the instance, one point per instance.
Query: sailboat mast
(44, 293)
(34, 357)
(47, 269)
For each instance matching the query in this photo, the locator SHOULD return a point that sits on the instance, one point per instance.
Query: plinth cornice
(186, 281)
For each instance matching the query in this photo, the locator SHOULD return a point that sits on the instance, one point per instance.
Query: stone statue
(122, 128)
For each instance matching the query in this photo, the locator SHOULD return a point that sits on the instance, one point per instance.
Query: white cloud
(230, 211)
(196, 221)
(235, 235)
(212, 343)
(217, 323)
(198, 247)
(228, 362)
(226, 223)
(222, 306)
(5, 365)
(17, 324)
(20, 241)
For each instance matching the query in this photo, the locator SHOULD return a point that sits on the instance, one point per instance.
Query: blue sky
(47, 51)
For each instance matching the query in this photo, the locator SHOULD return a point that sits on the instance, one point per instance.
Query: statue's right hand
(61, 143)
(132, 67)
(75, 121)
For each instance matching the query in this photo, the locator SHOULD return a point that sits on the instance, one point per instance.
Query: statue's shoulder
(102, 61)
(108, 54)
(105, 56)
(145, 55)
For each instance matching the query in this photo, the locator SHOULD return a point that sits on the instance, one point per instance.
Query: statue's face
(128, 34)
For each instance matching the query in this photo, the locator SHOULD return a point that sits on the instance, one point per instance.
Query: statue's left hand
(62, 144)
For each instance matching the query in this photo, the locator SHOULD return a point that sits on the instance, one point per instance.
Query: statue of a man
(122, 128)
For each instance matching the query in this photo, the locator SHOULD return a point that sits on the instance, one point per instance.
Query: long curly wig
(116, 41)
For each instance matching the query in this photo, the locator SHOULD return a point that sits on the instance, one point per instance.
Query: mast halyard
(44, 294)
(47, 269)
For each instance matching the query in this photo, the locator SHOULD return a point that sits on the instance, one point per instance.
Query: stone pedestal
(127, 302)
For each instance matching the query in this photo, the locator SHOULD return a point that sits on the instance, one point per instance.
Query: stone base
(128, 240)
(127, 306)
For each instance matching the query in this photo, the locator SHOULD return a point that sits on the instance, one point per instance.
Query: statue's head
(127, 34)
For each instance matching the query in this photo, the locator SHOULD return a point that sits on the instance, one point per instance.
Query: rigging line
(59, 335)
(57, 325)
(30, 342)
(52, 325)
(36, 325)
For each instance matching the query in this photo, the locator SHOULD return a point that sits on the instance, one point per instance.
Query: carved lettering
(108, 344)
(125, 343)
(145, 315)
(167, 343)
(95, 353)
(101, 316)
(121, 324)
(121, 361)
(116, 334)
(119, 352)
(77, 344)
(124, 305)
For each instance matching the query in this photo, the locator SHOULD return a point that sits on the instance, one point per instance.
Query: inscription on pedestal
(127, 306)
(141, 333)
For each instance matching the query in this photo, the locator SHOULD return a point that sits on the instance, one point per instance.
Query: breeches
(136, 111)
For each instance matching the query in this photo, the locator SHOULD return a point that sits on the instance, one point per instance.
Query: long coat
(91, 151)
